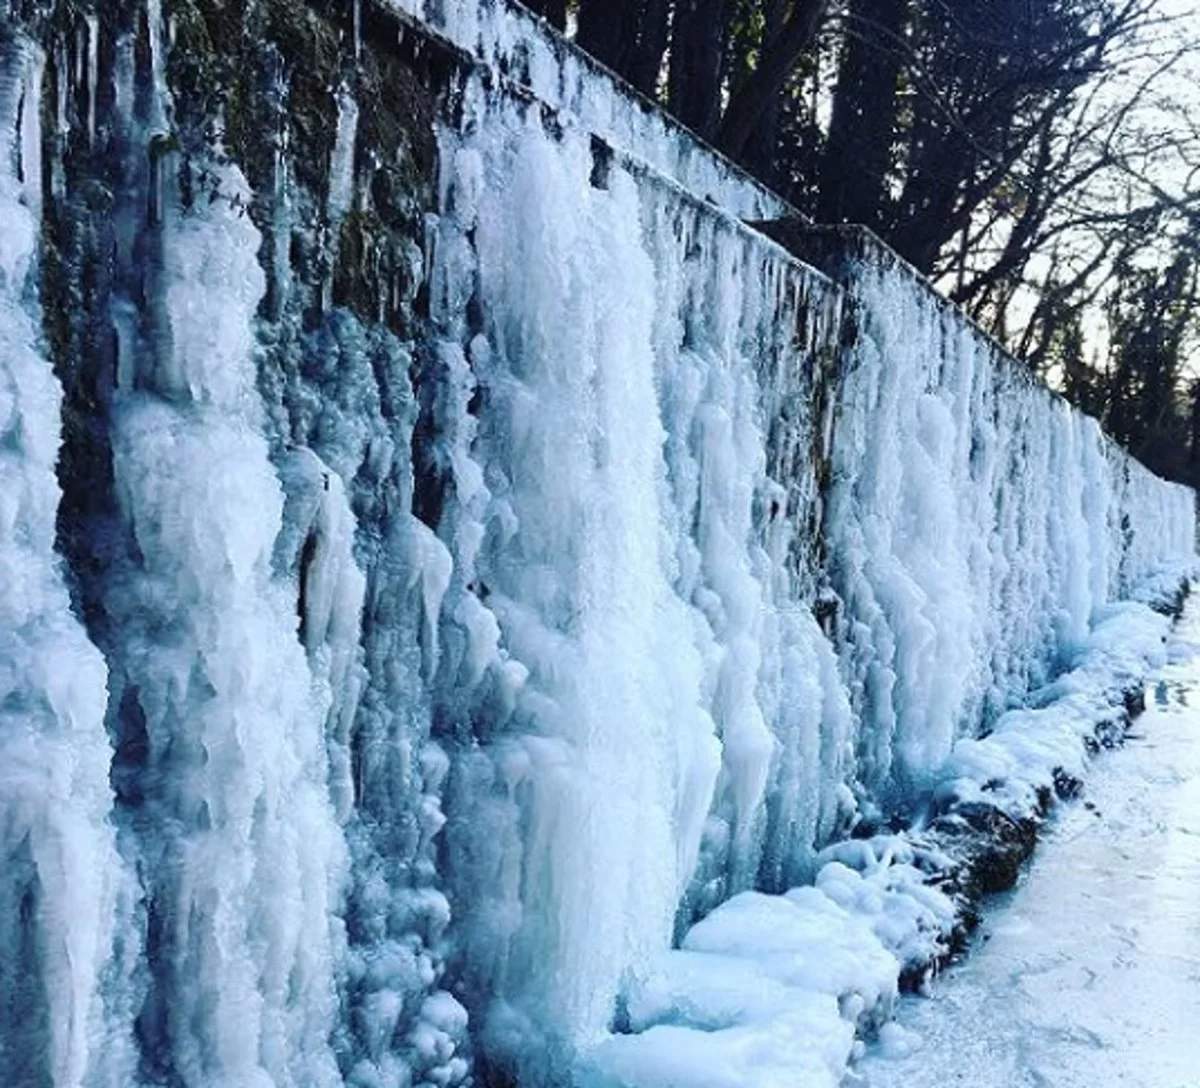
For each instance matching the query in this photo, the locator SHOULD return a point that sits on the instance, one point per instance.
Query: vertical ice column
(1068, 529)
(1152, 522)
(728, 306)
(900, 546)
(1095, 503)
(58, 866)
(729, 465)
(608, 748)
(242, 855)
(352, 401)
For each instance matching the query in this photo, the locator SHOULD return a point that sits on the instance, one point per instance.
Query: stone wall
(507, 532)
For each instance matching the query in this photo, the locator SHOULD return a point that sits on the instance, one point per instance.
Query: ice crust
(560, 777)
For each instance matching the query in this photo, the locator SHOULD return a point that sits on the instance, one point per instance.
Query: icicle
(253, 853)
(239, 822)
(30, 134)
(341, 182)
(157, 123)
(79, 57)
(316, 545)
(60, 869)
(92, 22)
(341, 165)
(63, 90)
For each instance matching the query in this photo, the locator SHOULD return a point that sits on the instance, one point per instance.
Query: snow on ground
(780, 989)
(1090, 974)
(1030, 745)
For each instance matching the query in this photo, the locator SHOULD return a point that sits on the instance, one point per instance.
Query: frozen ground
(1090, 974)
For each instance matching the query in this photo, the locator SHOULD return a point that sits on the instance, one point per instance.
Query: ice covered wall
(529, 59)
(975, 521)
(501, 551)
(221, 769)
(629, 643)
(1148, 520)
(234, 325)
(62, 886)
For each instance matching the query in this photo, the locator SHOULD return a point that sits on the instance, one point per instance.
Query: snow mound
(780, 989)
(1036, 749)
(772, 989)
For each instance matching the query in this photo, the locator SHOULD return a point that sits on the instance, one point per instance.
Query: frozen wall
(63, 888)
(530, 60)
(633, 555)
(495, 551)
(975, 521)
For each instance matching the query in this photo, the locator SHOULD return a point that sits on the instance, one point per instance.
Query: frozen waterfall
(469, 567)
(63, 892)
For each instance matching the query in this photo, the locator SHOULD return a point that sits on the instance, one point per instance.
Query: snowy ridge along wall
(450, 551)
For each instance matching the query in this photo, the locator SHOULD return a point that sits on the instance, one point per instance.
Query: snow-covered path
(1090, 974)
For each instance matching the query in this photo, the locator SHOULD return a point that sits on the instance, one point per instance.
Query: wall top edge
(842, 252)
(529, 54)
(498, 50)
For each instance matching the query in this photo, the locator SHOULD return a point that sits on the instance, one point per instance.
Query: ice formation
(459, 652)
(62, 890)
(643, 571)
(977, 527)
(230, 815)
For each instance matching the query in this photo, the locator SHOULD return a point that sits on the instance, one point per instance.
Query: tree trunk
(697, 53)
(608, 30)
(858, 153)
(651, 46)
(759, 153)
(553, 11)
(761, 91)
(932, 207)
(1194, 460)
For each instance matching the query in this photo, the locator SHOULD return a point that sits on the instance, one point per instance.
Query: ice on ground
(788, 1049)
(1090, 971)
(705, 1014)
(897, 1042)
(712, 1019)
(768, 989)
(765, 989)
(1029, 746)
(805, 939)
(912, 920)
